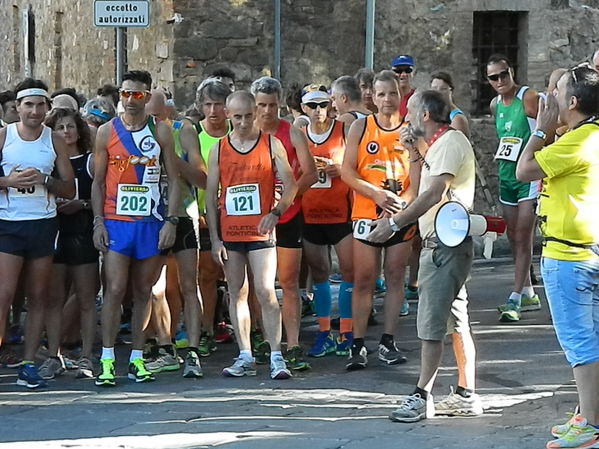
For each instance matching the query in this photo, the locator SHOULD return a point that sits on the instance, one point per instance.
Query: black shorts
(289, 235)
(205, 243)
(403, 235)
(75, 249)
(30, 239)
(246, 247)
(326, 234)
(185, 239)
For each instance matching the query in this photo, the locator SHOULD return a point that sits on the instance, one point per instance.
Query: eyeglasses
(400, 70)
(314, 105)
(496, 76)
(136, 94)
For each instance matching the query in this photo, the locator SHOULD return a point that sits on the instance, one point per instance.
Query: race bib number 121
(243, 199)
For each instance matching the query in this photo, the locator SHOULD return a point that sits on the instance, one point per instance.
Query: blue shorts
(135, 239)
(573, 294)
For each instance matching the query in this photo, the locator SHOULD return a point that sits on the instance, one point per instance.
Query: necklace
(437, 134)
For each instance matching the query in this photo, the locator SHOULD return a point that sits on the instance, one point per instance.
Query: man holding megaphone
(447, 173)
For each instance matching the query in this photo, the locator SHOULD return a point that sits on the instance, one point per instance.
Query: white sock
(515, 297)
(136, 354)
(107, 353)
(528, 291)
(275, 355)
(246, 355)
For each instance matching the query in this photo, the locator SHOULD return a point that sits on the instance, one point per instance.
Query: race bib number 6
(243, 199)
(133, 200)
(362, 228)
(324, 181)
(509, 149)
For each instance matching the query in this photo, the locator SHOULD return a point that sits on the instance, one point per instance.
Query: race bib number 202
(133, 200)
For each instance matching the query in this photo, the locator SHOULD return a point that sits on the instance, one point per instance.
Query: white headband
(32, 92)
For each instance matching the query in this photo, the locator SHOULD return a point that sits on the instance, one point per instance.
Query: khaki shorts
(442, 297)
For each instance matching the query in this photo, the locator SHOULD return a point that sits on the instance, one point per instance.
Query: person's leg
(587, 382)
(85, 278)
(159, 314)
(396, 260)
(237, 285)
(188, 273)
(288, 263)
(524, 238)
(116, 269)
(344, 250)
(365, 275)
(430, 360)
(414, 263)
(10, 268)
(208, 273)
(56, 297)
(173, 292)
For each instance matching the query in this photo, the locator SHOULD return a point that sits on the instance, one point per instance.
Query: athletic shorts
(186, 237)
(135, 239)
(75, 249)
(572, 290)
(403, 235)
(30, 239)
(289, 235)
(204, 238)
(442, 297)
(246, 247)
(512, 191)
(326, 234)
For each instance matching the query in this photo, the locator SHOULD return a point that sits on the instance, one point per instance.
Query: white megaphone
(453, 224)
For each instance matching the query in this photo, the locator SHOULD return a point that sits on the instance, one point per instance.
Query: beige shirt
(450, 154)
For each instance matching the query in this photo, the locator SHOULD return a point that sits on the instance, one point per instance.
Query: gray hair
(267, 85)
(347, 85)
(212, 88)
(435, 104)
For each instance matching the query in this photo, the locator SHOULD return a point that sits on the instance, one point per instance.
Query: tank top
(247, 189)
(358, 115)
(513, 130)
(80, 222)
(206, 143)
(283, 134)
(33, 203)
(380, 158)
(133, 174)
(328, 200)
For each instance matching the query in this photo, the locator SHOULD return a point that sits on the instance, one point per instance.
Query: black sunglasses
(401, 70)
(314, 105)
(496, 76)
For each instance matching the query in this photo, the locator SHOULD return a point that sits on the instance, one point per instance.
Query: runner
(226, 76)
(269, 94)
(442, 82)
(8, 101)
(326, 208)
(347, 99)
(364, 78)
(403, 65)
(30, 154)
(130, 224)
(376, 167)
(242, 166)
(515, 109)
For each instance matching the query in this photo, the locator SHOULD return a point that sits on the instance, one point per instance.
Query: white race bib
(362, 228)
(133, 200)
(35, 191)
(243, 199)
(324, 181)
(509, 149)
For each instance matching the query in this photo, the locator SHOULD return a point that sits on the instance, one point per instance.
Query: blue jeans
(573, 295)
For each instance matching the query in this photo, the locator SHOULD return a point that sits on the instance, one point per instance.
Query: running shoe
(29, 377)
(85, 368)
(262, 353)
(278, 368)
(410, 294)
(224, 333)
(164, 362)
(106, 378)
(192, 367)
(139, 373)
(181, 339)
(307, 300)
(405, 308)
(324, 344)
(52, 367)
(9, 359)
(414, 408)
(380, 287)
(358, 358)
(151, 349)
(207, 345)
(391, 355)
(509, 312)
(457, 405)
(560, 430)
(241, 367)
(295, 359)
(344, 343)
(579, 435)
(530, 303)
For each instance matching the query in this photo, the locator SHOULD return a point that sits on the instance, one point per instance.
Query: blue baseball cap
(403, 60)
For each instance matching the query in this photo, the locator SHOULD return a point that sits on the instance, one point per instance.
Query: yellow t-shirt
(451, 154)
(569, 202)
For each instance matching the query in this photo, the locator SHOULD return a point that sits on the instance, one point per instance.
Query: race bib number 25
(509, 149)
(133, 200)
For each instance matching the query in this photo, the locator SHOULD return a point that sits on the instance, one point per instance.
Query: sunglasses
(314, 105)
(400, 70)
(136, 94)
(496, 76)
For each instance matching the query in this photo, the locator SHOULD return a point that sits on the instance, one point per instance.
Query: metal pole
(120, 55)
(277, 43)
(369, 45)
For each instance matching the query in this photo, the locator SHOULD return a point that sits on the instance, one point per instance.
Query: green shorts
(512, 191)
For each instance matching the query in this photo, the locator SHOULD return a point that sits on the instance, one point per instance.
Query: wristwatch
(172, 219)
(276, 212)
(393, 225)
(540, 134)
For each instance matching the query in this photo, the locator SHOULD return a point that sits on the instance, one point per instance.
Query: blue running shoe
(181, 339)
(380, 286)
(29, 377)
(325, 344)
(410, 293)
(405, 308)
(344, 344)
